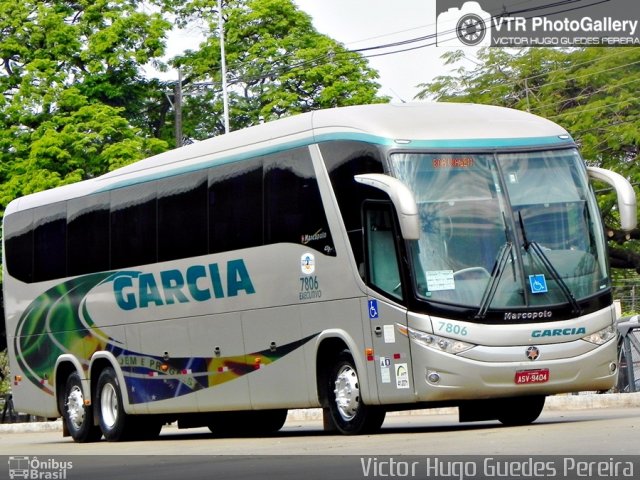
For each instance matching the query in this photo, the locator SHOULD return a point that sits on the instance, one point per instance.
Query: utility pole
(177, 109)
(225, 95)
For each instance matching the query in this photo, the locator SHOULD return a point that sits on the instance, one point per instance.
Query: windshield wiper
(537, 249)
(496, 275)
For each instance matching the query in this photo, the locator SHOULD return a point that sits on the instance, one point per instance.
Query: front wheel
(349, 413)
(77, 416)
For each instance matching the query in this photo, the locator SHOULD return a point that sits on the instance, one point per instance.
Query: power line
(430, 38)
(596, 108)
(322, 59)
(585, 95)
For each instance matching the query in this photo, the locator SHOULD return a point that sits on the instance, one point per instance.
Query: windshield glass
(504, 230)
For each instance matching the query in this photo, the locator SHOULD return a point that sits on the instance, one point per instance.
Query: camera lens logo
(471, 29)
(467, 26)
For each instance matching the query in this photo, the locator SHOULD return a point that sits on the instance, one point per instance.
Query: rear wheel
(520, 410)
(77, 416)
(115, 424)
(349, 413)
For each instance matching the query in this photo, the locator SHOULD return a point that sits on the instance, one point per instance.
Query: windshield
(504, 230)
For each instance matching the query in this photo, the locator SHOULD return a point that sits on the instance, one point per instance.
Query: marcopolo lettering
(559, 332)
(527, 315)
(198, 283)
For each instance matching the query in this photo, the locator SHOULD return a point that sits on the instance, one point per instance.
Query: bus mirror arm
(625, 193)
(402, 199)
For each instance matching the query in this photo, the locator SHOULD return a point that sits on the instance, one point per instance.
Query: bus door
(384, 310)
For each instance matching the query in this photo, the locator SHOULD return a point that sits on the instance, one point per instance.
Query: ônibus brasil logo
(38, 468)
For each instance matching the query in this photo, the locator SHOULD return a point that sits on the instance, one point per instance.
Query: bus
(357, 260)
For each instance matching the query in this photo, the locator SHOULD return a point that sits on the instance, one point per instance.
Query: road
(300, 449)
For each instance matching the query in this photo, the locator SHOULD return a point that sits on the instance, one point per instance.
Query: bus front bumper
(440, 376)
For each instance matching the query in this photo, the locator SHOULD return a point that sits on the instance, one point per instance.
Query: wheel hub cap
(109, 405)
(75, 407)
(347, 393)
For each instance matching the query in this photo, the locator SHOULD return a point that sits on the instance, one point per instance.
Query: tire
(115, 424)
(77, 416)
(348, 412)
(520, 410)
(248, 423)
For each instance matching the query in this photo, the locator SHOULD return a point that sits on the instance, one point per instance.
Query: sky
(367, 23)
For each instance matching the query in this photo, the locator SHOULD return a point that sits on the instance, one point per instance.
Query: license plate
(532, 376)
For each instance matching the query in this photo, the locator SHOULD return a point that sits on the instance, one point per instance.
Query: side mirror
(626, 195)
(402, 199)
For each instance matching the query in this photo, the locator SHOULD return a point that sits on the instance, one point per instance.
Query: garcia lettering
(198, 283)
(559, 332)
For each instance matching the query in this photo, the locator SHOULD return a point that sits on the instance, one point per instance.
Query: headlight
(438, 343)
(603, 336)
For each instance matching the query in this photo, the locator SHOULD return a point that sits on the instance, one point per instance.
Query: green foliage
(278, 65)
(71, 89)
(5, 383)
(75, 103)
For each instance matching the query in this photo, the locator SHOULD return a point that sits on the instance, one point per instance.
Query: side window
(343, 161)
(50, 242)
(382, 255)
(18, 244)
(88, 234)
(133, 225)
(235, 206)
(182, 216)
(293, 207)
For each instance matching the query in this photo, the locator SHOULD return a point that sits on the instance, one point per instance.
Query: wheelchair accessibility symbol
(538, 284)
(373, 309)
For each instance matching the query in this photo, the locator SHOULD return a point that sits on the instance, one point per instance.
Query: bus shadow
(295, 431)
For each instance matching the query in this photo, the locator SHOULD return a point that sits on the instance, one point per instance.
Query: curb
(553, 403)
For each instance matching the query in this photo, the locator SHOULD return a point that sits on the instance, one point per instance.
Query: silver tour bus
(360, 260)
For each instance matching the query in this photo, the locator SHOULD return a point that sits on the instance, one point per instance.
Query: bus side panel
(35, 397)
(268, 333)
(219, 338)
(160, 343)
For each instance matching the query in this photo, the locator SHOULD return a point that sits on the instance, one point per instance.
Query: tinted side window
(133, 225)
(293, 207)
(18, 244)
(235, 206)
(182, 216)
(343, 161)
(50, 242)
(88, 234)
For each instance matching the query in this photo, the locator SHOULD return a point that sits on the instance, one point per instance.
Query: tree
(591, 92)
(68, 74)
(278, 65)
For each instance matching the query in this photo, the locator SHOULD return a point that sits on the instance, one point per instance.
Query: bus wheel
(520, 410)
(348, 412)
(77, 416)
(115, 424)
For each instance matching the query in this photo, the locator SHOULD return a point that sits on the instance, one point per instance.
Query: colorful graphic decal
(58, 322)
